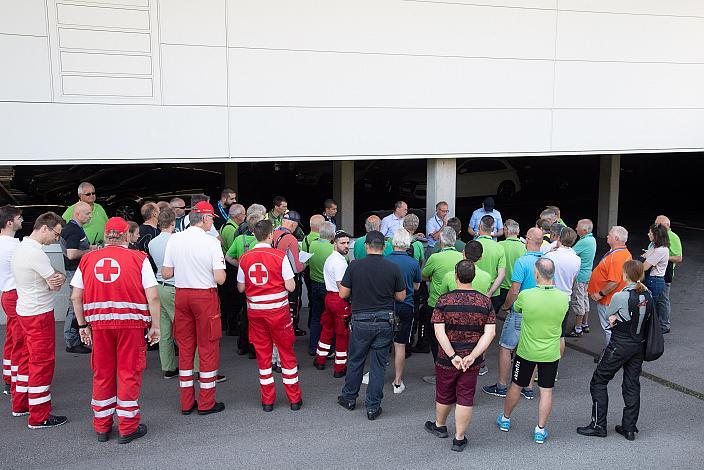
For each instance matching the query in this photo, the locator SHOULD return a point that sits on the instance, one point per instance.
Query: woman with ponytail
(655, 259)
(628, 314)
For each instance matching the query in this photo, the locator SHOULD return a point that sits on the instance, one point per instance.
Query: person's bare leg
(544, 406)
(578, 320)
(463, 415)
(512, 397)
(441, 414)
(399, 361)
(562, 347)
(504, 365)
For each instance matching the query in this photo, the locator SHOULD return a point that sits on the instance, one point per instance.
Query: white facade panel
(25, 72)
(613, 131)
(102, 17)
(287, 78)
(629, 38)
(74, 132)
(106, 63)
(23, 17)
(392, 27)
(641, 7)
(194, 75)
(106, 86)
(333, 132)
(191, 22)
(86, 39)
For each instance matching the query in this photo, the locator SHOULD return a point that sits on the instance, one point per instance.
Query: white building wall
(174, 80)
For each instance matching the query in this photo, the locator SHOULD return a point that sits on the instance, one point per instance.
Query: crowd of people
(189, 274)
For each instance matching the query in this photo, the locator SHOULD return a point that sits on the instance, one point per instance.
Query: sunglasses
(89, 194)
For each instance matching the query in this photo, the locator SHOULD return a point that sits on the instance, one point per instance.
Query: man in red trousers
(115, 298)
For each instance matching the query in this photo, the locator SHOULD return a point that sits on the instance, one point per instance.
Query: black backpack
(654, 340)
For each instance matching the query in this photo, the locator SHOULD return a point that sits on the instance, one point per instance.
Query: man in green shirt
(543, 308)
(277, 212)
(373, 222)
(482, 280)
(236, 215)
(95, 229)
(663, 303)
(435, 269)
(585, 248)
(320, 249)
(410, 223)
(493, 259)
(514, 248)
(314, 234)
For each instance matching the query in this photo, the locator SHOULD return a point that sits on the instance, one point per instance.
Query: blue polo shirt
(477, 217)
(410, 269)
(523, 270)
(586, 250)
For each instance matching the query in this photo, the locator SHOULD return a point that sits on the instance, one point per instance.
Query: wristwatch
(453, 356)
(601, 294)
(80, 327)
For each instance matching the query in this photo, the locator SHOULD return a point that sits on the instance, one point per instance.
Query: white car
(475, 177)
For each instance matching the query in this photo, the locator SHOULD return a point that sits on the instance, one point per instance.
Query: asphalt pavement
(323, 435)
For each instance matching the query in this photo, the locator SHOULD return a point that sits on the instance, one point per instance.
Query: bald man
(315, 222)
(663, 304)
(74, 244)
(373, 222)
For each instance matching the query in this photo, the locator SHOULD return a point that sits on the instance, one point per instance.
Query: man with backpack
(285, 240)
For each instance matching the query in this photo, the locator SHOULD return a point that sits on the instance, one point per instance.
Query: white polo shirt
(286, 268)
(8, 245)
(567, 265)
(194, 255)
(333, 271)
(31, 268)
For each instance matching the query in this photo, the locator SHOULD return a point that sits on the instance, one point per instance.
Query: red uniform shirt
(261, 271)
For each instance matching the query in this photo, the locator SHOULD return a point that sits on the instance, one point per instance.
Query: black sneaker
(141, 431)
(6, 389)
(276, 368)
(339, 374)
(437, 431)
(574, 334)
(297, 406)
(374, 414)
(459, 446)
(103, 436)
(191, 409)
(79, 349)
(51, 422)
(592, 430)
(299, 332)
(585, 328)
(221, 379)
(629, 435)
(345, 404)
(268, 408)
(170, 374)
(217, 408)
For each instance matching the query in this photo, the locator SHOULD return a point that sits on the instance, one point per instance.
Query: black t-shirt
(146, 234)
(73, 237)
(373, 281)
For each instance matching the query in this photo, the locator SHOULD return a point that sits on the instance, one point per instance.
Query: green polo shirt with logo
(320, 249)
(481, 282)
(543, 308)
(227, 233)
(241, 244)
(492, 258)
(436, 267)
(514, 248)
(361, 252)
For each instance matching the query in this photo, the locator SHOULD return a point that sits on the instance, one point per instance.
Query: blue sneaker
(495, 390)
(503, 423)
(540, 435)
(528, 393)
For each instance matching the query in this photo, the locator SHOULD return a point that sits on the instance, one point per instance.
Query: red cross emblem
(258, 274)
(107, 270)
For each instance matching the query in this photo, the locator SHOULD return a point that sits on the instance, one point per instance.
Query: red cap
(117, 224)
(203, 207)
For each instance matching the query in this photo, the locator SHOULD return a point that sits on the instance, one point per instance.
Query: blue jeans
(371, 332)
(317, 305)
(71, 336)
(655, 285)
(662, 306)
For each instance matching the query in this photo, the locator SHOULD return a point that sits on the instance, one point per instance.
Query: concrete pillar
(343, 193)
(230, 176)
(609, 173)
(441, 186)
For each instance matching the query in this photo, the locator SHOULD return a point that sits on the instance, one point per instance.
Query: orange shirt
(609, 269)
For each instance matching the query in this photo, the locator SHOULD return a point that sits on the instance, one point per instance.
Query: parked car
(475, 177)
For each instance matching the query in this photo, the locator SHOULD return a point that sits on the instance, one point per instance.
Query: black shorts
(522, 372)
(405, 317)
(564, 325)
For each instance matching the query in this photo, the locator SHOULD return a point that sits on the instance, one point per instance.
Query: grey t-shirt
(157, 249)
(658, 258)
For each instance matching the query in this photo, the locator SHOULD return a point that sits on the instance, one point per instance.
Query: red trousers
(9, 306)
(119, 356)
(337, 310)
(197, 324)
(267, 329)
(36, 368)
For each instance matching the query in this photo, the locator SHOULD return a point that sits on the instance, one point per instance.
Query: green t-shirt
(418, 251)
(481, 282)
(543, 308)
(586, 250)
(320, 249)
(241, 244)
(361, 252)
(95, 229)
(675, 243)
(308, 239)
(459, 246)
(514, 248)
(492, 258)
(436, 267)
(227, 233)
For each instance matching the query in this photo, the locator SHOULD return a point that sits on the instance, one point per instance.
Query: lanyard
(222, 211)
(610, 252)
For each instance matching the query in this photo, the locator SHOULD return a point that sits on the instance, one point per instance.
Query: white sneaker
(365, 379)
(399, 388)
